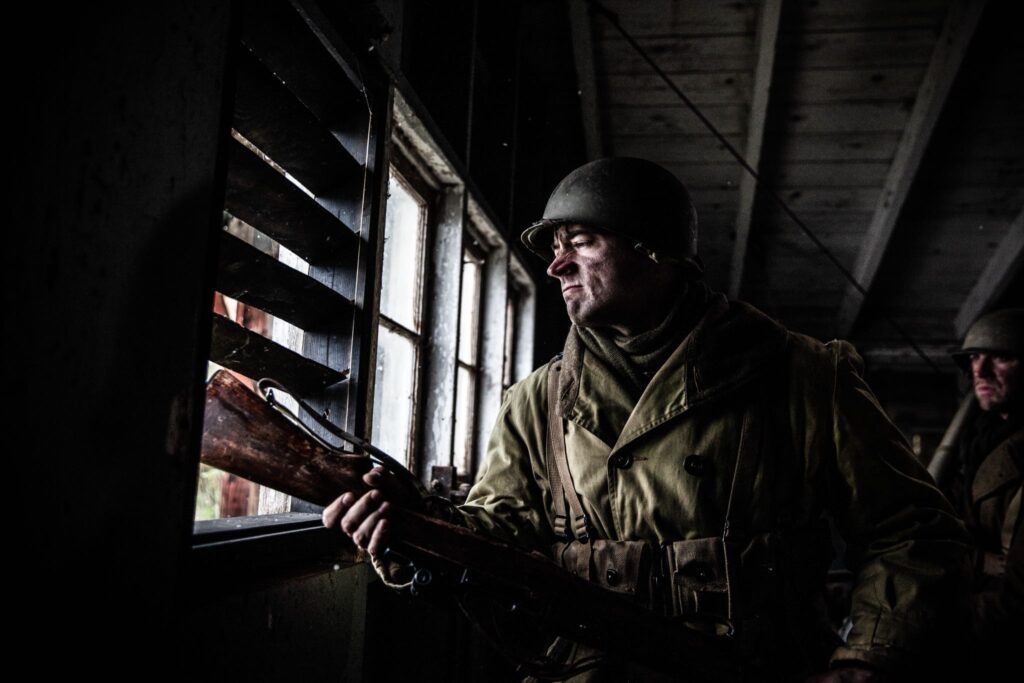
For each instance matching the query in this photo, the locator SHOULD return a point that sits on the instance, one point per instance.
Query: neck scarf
(635, 358)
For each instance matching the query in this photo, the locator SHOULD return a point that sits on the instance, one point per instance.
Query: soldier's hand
(365, 518)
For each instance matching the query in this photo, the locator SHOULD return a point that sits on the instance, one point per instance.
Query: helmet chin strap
(655, 256)
(692, 267)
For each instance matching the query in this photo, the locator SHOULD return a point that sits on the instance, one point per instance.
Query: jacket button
(622, 460)
(612, 576)
(697, 465)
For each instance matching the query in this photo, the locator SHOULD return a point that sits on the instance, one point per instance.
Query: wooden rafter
(947, 56)
(1005, 262)
(767, 35)
(583, 55)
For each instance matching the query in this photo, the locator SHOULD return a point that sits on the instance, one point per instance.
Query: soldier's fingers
(359, 510)
(364, 534)
(393, 487)
(333, 512)
(380, 539)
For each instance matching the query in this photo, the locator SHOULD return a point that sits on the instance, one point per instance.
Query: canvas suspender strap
(741, 487)
(746, 465)
(1011, 521)
(562, 488)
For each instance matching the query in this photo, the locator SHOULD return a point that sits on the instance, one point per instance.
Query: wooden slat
(730, 119)
(713, 199)
(790, 119)
(849, 146)
(678, 54)
(802, 176)
(865, 15)
(658, 17)
(821, 202)
(967, 202)
(255, 356)
(583, 56)
(631, 90)
(675, 148)
(798, 176)
(281, 39)
(247, 274)
(268, 115)
(695, 54)
(808, 86)
(1004, 264)
(849, 85)
(856, 49)
(269, 202)
(767, 33)
(945, 64)
(876, 117)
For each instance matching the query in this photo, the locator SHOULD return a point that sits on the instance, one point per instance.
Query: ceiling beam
(583, 55)
(1004, 264)
(947, 56)
(767, 35)
(902, 358)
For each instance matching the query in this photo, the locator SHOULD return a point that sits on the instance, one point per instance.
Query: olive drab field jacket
(661, 472)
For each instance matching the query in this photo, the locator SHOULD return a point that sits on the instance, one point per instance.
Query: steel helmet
(634, 198)
(996, 332)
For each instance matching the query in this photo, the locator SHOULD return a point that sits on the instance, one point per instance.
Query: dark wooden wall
(117, 117)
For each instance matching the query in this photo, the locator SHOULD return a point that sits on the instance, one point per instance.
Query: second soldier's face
(996, 381)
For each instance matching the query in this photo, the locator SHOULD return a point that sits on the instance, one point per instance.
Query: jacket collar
(732, 344)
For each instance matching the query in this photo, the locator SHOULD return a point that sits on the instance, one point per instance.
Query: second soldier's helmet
(999, 332)
(634, 198)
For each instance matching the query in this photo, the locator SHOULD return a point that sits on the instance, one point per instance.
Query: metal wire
(761, 185)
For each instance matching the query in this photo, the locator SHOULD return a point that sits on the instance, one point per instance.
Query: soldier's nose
(560, 265)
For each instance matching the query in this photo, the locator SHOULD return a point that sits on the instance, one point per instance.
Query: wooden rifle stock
(244, 435)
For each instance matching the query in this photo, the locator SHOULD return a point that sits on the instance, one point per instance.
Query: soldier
(992, 469)
(686, 450)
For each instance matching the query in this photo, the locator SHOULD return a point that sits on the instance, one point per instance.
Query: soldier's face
(996, 381)
(604, 282)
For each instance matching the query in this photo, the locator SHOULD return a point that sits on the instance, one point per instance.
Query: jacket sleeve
(906, 546)
(511, 498)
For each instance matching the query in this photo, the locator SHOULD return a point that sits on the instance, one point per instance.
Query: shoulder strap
(1011, 521)
(747, 460)
(562, 488)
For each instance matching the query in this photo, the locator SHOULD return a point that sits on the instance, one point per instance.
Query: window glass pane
(463, 420)
(468, 309)
(399, 288)
(393, 394)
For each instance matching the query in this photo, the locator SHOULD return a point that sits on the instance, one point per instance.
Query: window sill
(240, 552)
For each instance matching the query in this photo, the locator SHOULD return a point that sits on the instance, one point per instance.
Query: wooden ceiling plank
(767, 37)
(942, 70)
(1005, 262)
(583, 54)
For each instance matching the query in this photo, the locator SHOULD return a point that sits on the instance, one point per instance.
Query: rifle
(244, 434)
